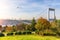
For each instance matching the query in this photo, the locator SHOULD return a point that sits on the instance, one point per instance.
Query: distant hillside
(13, 22)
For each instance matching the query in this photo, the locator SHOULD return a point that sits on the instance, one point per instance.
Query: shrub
(24, 33)
(48, 34)
(58, 33)
(29, 33)
(51, 33)
(1, 34)
(39, 32)
(9, 34)
(18, 33)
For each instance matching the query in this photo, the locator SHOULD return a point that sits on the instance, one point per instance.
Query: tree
(20, 27)
(57, 27)
(28, 27)
(53, 24)
(0, 28)
(4, 30)
(14, 28)
(42, 24)
(9, 29)
(33, 24)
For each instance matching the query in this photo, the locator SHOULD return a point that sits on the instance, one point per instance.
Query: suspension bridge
(48, 14)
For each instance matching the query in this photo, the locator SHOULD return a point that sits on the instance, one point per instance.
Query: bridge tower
(51, 16)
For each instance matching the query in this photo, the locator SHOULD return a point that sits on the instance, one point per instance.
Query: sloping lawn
(29, 37)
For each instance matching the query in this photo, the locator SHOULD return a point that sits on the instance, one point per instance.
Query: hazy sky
(26, 9)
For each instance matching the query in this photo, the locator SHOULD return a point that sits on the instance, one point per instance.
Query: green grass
(29, 37)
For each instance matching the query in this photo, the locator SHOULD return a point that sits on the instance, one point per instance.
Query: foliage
(33, 24)
(0, 27)
(42, 24)
(26, 32)
(18, 33)
(14, 28)
(53, 26)
(28, 27)
(9, 29)
(20, 27)
(49, 32)
(9, 34)
(1, 34)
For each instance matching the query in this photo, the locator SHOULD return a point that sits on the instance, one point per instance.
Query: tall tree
(14, 28)
(42, 24)
(33, 24)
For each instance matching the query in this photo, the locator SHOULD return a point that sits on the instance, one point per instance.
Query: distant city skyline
(27, 9)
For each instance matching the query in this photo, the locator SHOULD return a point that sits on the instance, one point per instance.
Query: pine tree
(33, 24)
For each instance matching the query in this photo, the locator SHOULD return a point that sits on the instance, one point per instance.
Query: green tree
(57, 26)
(8, 29)
(33, 24)
(20, 27)
(14, 28)
(42, 24)
(28, 27)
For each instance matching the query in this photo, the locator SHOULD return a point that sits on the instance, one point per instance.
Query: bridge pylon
(54, 17)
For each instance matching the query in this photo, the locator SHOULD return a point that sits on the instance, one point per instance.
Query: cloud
(27, 9)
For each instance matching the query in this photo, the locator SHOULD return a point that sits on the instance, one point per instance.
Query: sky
(27, 9)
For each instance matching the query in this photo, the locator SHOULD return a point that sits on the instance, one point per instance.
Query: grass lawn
(29, 37)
